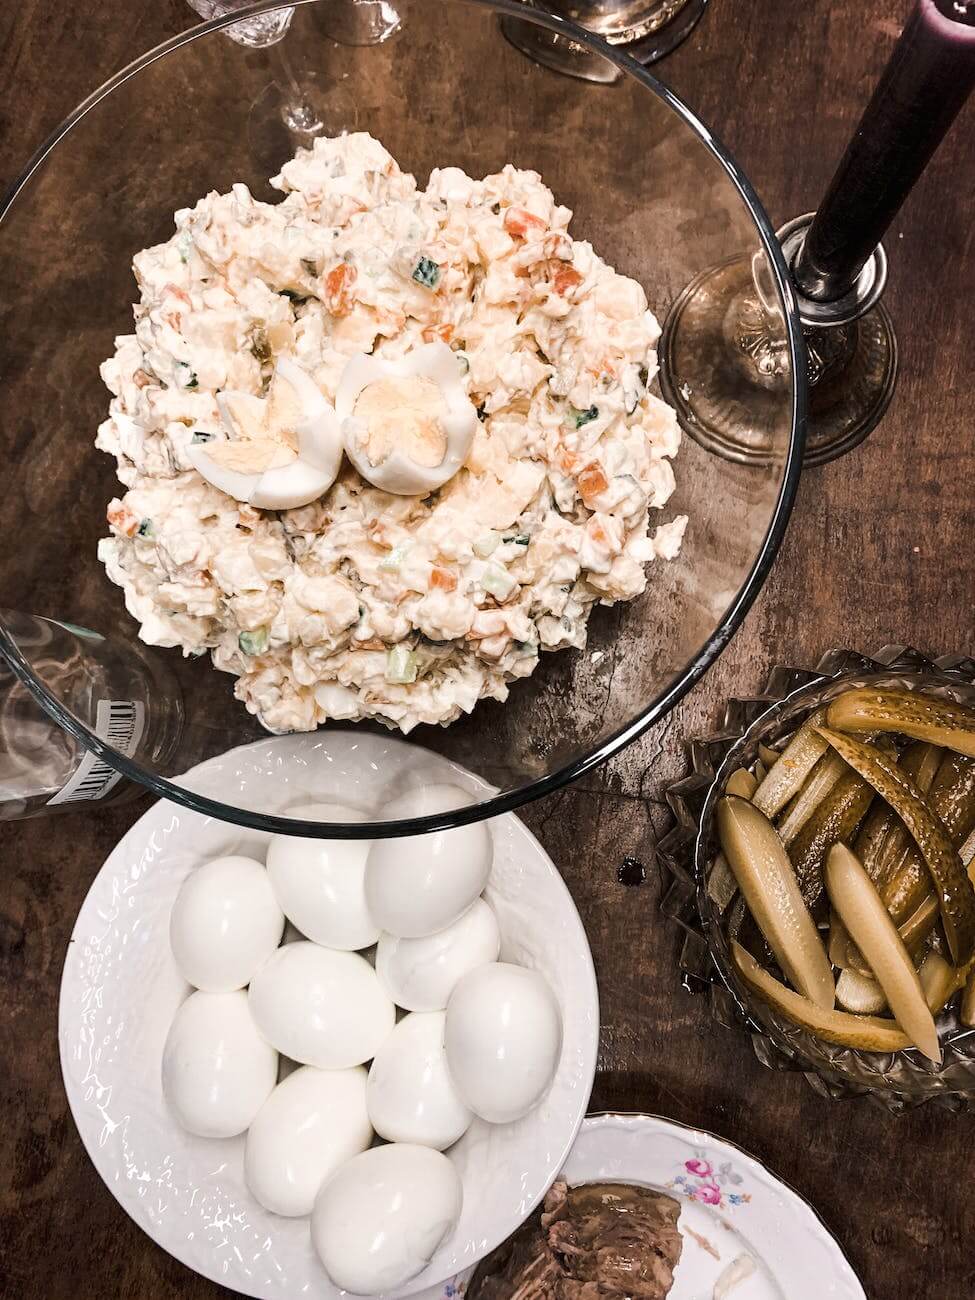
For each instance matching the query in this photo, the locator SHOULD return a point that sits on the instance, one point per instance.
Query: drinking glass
(110, 688)
(304, 100)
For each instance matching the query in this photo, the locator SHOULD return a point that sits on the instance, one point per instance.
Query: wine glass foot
(724, 367)
(360, 22)
(647, 33)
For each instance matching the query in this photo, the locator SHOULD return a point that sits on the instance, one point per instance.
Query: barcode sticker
(120, 723)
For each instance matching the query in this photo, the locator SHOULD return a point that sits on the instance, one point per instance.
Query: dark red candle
(922, 89)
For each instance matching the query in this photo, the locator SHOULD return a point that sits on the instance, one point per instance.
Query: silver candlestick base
(723, 365)
(645, 29)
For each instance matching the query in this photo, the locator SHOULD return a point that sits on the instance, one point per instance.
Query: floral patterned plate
(746, 1235)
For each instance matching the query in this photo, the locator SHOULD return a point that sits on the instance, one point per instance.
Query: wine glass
(305, 102)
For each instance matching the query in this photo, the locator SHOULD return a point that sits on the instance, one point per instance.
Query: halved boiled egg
(288, 445)
(408, 424)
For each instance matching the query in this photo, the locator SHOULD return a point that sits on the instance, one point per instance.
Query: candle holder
(645, 29)
(721, 366)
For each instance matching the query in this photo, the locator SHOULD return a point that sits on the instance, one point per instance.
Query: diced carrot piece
(592, 481)
(121, 518)
(518, 222)
(602, 367)
(565, 278)
(179, 293)
(433, 332)
(443, 579)
(339, 289)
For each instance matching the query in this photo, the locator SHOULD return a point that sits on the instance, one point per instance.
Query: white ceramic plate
(120, 989)
(731, 1208)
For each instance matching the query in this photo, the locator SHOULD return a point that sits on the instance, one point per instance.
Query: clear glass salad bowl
(651, 189)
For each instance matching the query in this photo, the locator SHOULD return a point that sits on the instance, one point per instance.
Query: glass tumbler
(132, 706)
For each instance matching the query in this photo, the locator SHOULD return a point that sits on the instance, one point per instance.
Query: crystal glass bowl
(898, 1080)
(651, 189)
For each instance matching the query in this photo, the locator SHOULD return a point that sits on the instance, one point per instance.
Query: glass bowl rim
(660, 706)
(806, 695)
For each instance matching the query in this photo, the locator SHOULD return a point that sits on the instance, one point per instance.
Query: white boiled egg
(313, 1122)
(410, 1094)
(419, 974)
(408, 425)
(321, 1007)
(287, 447)
(379, 1219)
(320, 883)
(419, 884)
(225, 924)
(217, 1070)
(503, 1038)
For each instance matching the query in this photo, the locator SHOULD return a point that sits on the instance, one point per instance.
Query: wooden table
(879, 550)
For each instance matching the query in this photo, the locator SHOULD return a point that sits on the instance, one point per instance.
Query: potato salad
(382, 446)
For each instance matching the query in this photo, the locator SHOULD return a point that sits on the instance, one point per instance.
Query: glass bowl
(650, 187)
(898, 1080)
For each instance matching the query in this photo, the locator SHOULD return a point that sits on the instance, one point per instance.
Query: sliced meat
(600, 1241)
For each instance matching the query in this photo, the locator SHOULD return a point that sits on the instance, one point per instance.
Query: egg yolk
(407, 413)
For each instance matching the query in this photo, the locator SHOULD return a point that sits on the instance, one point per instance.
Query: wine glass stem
(296, 109)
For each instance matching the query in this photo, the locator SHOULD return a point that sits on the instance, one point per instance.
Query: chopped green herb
(576, 418)
(253, 643)
(519, 539)
(191, 381)
(145, 529)
(400, 665)
(426, 272)
(202, 436)
(184, 244)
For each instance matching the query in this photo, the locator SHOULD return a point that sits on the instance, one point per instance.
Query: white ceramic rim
(587, 1047)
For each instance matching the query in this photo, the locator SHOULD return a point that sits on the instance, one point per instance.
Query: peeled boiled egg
(379, 1219)
(321, 1007)
(408, 424)
(287, 447)
(410, 1094)
(225, 924)
(313, 1122)
(320, 884)
(419, 974)
(419, 884)
(503, 1038)
(217, 1070)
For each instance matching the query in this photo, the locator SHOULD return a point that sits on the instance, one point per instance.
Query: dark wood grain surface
(879, 550)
